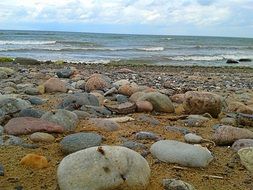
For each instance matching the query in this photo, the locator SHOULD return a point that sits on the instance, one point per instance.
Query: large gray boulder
(171, 151)
(103, 168)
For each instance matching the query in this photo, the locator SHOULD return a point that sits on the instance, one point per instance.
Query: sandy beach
(231, 88)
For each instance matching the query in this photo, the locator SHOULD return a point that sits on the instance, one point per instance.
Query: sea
(101, 48)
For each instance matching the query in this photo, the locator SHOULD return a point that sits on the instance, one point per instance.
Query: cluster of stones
(89, 164)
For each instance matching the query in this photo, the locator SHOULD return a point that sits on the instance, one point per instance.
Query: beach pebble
(121, 98)
(1, 170)
(31, 112)
(245, 119)
(7, 70)
(100, 97)
(32, 91)
(3, 75)
(28, 125)
(242, 143)
(149, 119)
(192, 138)
(98, 82)
(227, 135)
(176, 129)
(97, 111)
(79, 141)
(174, 184)
(1, 130)
(121, 82)
(228, 121)
(239, 107)
(124, 108)
(128, 89)
(64, 73)
(195, 121)
(67, 119)
(34, 161)
(202, 102)
(41, 137)
(35, 100)
(26, 61)
(82, 114)
(105, 124)
(102, 168)
(171, 151)
(144, 106)
(55, 85)
(178, 98)
(246, 157)
(136, 96)
(132, 144)
(145, 135)
(10, 105)
(160, 102)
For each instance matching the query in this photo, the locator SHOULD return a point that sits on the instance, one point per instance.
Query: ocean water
(123, 48)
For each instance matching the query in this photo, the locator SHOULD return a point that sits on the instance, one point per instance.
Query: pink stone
(55, 85)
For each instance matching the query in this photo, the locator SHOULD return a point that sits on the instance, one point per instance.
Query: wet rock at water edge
(232, 61)
(79, 141)
(105, 167)
(26, 61)
(145, 135)
(64, 73)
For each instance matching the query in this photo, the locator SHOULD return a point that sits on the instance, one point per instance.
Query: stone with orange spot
(34, 161)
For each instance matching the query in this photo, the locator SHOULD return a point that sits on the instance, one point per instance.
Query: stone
(3, 75)
(26, 61)
(160, 102)
(32, 91)
(55, 85)
(41, 88)
(100, 97)
(124, 108)
(245, 60)
(11, 140)
(1, 170)
(145, 135)
(7, 70)
(31, 112)
(192, 138)
(9, 105)
(77, 100)
(238, 107)
(121, 98)
(1, 130)
(79, 141)
(128, 89)
(35, 100)
(178, 98)
(41, 137)
(123, 119)
(98, 82)
(132, 144)
(227, 135)
(245, 119)
(176, 129)
(246, 157)
(171, 151)
(105, 124)
(174, 184)
(96, 111)
(228, 121)
(111, 91)
(67, 119)
(105, 167)
(202, 102)
(144, 106)
(121, 82)
(242, 143)
(34, 161)
(64, 73)
(136, 96)
(195, 121)
(28, 125)
(232, 61)
(82, 114)
(149, 119)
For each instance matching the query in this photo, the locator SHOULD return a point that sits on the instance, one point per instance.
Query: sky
(169, 17)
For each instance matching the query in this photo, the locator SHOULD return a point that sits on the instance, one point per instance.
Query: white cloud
(163, 12)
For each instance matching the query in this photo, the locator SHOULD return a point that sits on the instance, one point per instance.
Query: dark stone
(149, 119)
(1, 170)
(64, 73)
(177, 129)
(245, 119)
(232, 61)
(96, 110)
(245, 60)
(35, 100)
(121, 98)
(145, 135)
(76, 101)
(132, 145)
(26, 61)
(30, 112)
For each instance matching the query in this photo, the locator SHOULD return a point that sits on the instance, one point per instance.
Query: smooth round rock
(144, 106)
(104, 168)
(105, 124)
(171, 151)
(55, 85)
(145, 135)
(79, 141)
(228, 121)
(242, 143)
(34, 161)
(97, 82)
(192, 138)
(246, 156)
(67, 119)
(41, 137)
(31, 112)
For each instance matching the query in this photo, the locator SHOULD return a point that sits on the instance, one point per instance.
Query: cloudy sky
(178, 17)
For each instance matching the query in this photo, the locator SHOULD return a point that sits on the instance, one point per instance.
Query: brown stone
(227, 135)
(34, 161)
(134, 97)
(124, 108)
(28, 125)
(178, 98)
(128, 89)
(41, 137)
(55, 85)
(242, 143)
(238, 107)
(144, 106)
(202, 102)
(97, 82)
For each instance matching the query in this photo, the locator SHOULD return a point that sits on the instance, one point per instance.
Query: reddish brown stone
(144, 106)
(178, 98)
(124, 108)
(97, 82)
(55, 85)
(28, 125)
(128, 89)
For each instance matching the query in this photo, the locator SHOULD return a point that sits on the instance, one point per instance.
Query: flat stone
(148, 119)
(177, 129)
(195, 121)
(96, 110)
(79, 141)
(28, 125)
(105, 167)
(171, 151)
(145, 135)
(31, 112)
(32, 91)
(246, 157)
(174, 184)
(35, 100)
(82, 114)
(160, 102)
(128, 89)
(17, 141)
(242, 143)
(121, 98)
(41, 137)
(228, 121)
(192, 138)
(227, 135)
(123, 119)
(67, 119)
(105, 124)
(124, 108)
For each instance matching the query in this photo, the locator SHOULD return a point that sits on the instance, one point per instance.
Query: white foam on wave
(25, 42)
(151, 49)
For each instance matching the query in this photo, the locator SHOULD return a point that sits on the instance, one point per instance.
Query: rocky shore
(79, 126)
